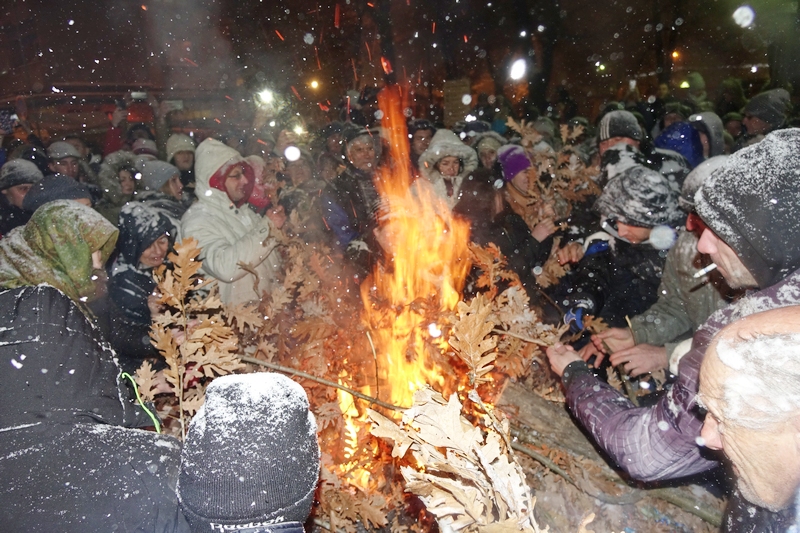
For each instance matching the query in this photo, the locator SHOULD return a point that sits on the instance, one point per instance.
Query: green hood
(55, 248)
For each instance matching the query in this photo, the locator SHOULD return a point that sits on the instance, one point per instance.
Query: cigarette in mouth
(705, 271)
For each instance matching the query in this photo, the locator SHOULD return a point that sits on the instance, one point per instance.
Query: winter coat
(11, 216)
(113, 199)
(126, 320)
(613, 280)
(446, 143)
(659, 442)
(684, 302)
(511, 234)
(229, 235)
(349, 204)
(69, 464)
(55, 248)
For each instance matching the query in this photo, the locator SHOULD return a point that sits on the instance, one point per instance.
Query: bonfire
(402, 374)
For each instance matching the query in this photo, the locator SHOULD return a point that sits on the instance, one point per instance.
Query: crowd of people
(689, 251)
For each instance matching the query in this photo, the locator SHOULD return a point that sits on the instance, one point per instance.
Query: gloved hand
(574, 319)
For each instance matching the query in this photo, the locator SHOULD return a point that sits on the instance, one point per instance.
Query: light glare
(518, 69)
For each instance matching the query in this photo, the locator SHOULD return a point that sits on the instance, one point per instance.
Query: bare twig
(521, 337)
(304, 375)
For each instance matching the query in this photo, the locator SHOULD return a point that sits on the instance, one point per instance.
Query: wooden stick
(304, 375)
(521, 337)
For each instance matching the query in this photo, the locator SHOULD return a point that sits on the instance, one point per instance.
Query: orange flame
(427, 262)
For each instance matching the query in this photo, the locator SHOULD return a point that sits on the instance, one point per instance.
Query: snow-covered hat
(770, 106)
(694, 180)
(55, 187)
(144, 147)
(18, 172)
(619, 124)
(640, 197)
(61, 150)
(251, 456)
(752, 204)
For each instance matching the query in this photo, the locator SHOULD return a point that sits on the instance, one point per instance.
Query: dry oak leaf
(468, 338)
(385, 428)
(244, 316)
(441, 424)
(146, 381)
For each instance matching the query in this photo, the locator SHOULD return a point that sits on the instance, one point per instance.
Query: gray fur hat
(619, 124)
(770, 106)
(19, 172)
(251, 456)
(640, 197)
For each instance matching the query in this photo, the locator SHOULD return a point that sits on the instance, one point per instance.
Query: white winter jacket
(229, 235)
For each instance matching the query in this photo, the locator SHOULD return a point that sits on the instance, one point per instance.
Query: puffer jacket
(229, 235)
(446, 143)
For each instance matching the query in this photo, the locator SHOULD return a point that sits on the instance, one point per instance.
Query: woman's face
(449, 166)
(154, 255)
(173, 187)
(520, 181)
(126, 182)
(488, 157)
(299, 171)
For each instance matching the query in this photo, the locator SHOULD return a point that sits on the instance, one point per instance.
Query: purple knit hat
(513, 159)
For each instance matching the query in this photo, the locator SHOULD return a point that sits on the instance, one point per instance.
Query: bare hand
(590, 350)
(277, 215)
(613, 339)
(571, 253)
(153, 305)
(560, 357)
(543, 229)
(641, 359)
(97, 260)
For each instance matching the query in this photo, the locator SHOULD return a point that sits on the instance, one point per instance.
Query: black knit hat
(55, 187)
(752, 204)
(640, 197)
(251, 455)
(770, 106)
(619, 124)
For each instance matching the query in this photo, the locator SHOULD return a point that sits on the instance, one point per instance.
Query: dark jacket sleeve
(650, 443)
